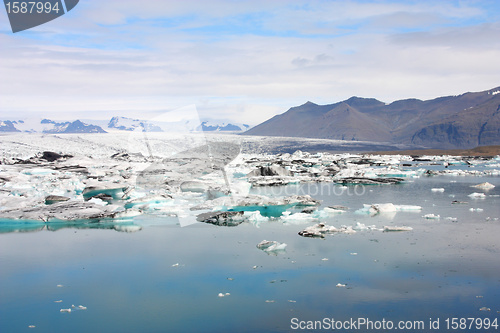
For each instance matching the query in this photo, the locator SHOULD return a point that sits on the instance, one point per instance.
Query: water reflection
(8, 226)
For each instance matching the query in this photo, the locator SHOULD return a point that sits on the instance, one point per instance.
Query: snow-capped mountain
(48, 126)
(129, 124)
(211, 126)
(161, 125)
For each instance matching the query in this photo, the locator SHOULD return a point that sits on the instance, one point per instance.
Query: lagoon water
(167, 278)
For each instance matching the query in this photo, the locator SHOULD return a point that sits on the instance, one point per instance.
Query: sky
(244, 61)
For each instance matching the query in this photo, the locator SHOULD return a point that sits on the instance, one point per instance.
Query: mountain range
(117, 124)
(464, 121)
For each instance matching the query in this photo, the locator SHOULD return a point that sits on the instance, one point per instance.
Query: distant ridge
(463, 121)
(48, 126)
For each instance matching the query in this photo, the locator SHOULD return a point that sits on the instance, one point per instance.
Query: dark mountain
(462, 121)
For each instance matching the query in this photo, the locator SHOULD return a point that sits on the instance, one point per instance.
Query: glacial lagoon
(157, 273)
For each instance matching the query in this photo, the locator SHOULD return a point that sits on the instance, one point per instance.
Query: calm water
(130, 282)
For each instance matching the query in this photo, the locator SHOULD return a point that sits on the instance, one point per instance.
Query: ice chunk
(476, 195)
(65, 310)
(484, 186)
(431, 217)
(255, 217)
(273, 170)
(51, 199)
(194, 186)
(397, 228)
(340, 285)
(407, 207)
(335, 209)
(384, 208)
(127, 228)
(321, 229)
(297, 218)
(271, 246)
(222, 218)
(440, 189)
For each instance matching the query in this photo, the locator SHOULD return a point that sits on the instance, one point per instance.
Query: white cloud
(126, 56)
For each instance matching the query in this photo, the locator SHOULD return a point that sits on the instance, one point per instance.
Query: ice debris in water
(222, 218)
(383, 208)
(340, 285)
(484, 186)
(65, 310)
(476, 209)
(223, 294)
(476, 195)
(397, 228)
(437, 189)
(321, 229)
(288, 217)
(271, 246)
(431, 217)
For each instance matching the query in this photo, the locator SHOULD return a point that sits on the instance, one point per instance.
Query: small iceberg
(271, 246)
(321, 229)
(477, 195)
(440, 189)
(484, 186)
(298, 218)
(397, 228)
(222, 218)
(431, 217)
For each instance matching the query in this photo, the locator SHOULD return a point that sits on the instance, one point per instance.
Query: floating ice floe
(222, 218)
(439, 189)
(431, 217)
(223, 294)
(477, 195)
(340, 285)
(297, 218)
(368, 181)
(337, 209)
(397, 228)
(457, 202)
(476, 209)
(65, 310)
(321, 229)
(484, 186)
(374, 209)
(271, 246)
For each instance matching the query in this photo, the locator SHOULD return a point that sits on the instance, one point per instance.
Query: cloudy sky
(244, 60)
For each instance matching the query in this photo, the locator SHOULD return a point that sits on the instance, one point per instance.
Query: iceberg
(397, 228)
(222, 218)
(271, 246)
(321, 229)
(484, 186)
(476, 195)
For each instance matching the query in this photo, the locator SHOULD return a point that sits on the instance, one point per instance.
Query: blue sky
(244, 60)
